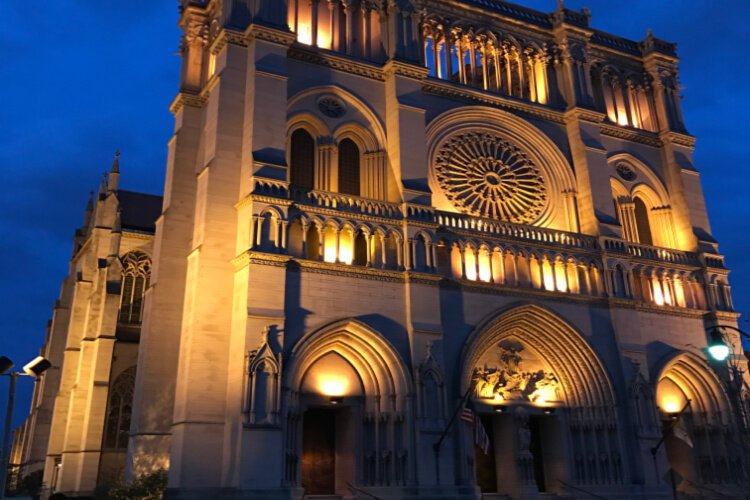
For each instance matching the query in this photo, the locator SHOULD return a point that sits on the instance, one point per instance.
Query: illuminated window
(136, 271)
(211, 65)
(302, 159)
(348, 167)
(119, 410)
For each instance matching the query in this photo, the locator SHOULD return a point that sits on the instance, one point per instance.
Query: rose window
(483, 175)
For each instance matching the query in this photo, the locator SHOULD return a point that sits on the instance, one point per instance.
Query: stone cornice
(268, 34)
(723, 315)
(334, 61)
(353, 215)
(267, 199)
(184, 98)
(583, 114)
(678, 138)
(402, 68)
(228, 36)
(448, 89)
(652, 308)
(640, 136)
(137, 235)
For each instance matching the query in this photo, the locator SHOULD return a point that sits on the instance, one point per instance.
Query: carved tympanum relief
(505, 375)
(484, 175)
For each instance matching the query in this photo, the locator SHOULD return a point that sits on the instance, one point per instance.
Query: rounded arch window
(349, 168)
(302, 159)
(642, 223)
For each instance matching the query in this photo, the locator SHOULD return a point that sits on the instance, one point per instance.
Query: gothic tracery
(482, 174)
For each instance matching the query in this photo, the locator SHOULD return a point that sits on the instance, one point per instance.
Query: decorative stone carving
(431, 391)
(264, 384)
(507, 381)
(331, 106)
(625, 171)
(482, 174)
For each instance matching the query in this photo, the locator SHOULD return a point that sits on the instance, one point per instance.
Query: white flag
(680, 432)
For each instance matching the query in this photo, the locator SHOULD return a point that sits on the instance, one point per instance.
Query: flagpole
(439, 442)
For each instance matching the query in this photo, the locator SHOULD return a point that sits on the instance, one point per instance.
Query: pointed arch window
(119, 410)
(302, 159)
(348, 167)
(136, 272)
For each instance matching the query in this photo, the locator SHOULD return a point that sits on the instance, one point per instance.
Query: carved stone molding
(187, 99)
(443, 88)
(336, 62)
(639, 136)
(228, 36)
(273, 35)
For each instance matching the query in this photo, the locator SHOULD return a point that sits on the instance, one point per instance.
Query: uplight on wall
(304, 34)
(331, 385)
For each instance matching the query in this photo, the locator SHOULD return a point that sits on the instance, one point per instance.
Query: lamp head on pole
(717, 346)
(37, 366)
(5, 364)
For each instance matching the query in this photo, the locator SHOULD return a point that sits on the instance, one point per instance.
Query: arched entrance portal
(348, 413)
(546, 404)
(700, 434)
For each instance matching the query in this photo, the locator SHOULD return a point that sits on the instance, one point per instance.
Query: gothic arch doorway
(546, 404)
(348, 412)
(701, 437)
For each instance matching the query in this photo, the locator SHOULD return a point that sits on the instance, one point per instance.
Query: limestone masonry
(445, 249)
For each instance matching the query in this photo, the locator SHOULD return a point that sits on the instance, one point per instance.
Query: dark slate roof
(139, 211)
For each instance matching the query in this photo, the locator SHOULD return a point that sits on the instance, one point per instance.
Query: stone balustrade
(343, 229)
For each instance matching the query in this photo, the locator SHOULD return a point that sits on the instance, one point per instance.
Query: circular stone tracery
(483, 175)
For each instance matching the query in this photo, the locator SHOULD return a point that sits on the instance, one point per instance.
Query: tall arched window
(136, 271)
(348, 167)
(119, 410)
(642, 222)
(302, 159)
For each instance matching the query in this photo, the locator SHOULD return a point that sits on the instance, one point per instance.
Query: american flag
(481, 439)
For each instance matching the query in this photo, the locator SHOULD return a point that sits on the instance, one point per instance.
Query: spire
(114, 173)
(114, 243)
(89, 210)
(103, 186)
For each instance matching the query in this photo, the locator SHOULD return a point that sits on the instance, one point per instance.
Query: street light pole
(718, 347)
(33, 368)
(6, 434)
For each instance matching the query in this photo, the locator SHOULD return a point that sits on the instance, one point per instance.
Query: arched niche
(461, 132)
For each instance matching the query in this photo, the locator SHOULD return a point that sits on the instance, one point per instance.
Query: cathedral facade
(407, 249)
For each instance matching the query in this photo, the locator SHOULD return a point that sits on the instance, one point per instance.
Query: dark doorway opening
(329, 449)
(486, 466)
(536, 447)
(319, 451)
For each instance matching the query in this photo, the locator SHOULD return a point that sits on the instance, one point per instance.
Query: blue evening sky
(82, 78)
